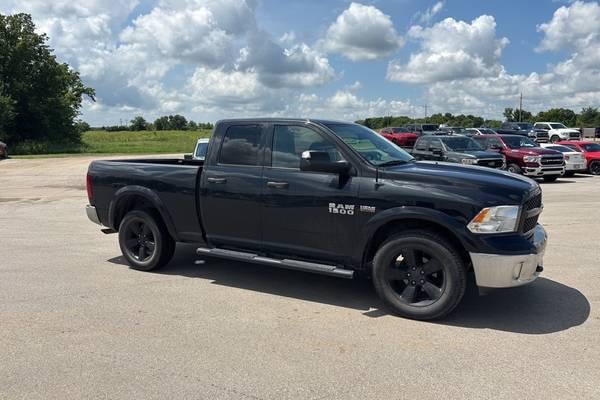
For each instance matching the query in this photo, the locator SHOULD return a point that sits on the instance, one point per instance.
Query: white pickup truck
(557, 131)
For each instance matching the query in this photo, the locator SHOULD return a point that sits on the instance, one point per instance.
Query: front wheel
(514, 168)
(594, 168)
(419, 275)
(144, 240)
(555, 138)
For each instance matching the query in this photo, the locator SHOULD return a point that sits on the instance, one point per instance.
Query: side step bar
(285, 263)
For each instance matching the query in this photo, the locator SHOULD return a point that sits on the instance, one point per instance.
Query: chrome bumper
(92, 214)
(499, 271)
(544, 171)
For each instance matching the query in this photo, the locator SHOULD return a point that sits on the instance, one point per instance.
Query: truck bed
(171, 182)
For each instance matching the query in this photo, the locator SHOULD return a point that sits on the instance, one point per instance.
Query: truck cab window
(240, 145)
(290, 141)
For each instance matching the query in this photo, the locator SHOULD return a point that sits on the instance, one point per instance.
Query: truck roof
(303, 120)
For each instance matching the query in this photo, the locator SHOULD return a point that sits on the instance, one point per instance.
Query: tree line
(165, 123)
(588, 117)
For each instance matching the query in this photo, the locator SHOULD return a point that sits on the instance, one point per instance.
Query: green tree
(589, 117)
(138, 124)
(177, 122)
(82, 126)
(161, 124)
(562, 115)
(40, 97)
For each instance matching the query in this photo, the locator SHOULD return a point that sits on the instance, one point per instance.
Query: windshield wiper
(393, 162)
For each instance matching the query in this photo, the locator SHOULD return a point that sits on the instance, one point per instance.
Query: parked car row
(518, 153)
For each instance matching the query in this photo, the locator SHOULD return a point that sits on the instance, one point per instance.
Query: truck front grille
(529, 222)
(491, 162)
(552, 160)
(573, 135)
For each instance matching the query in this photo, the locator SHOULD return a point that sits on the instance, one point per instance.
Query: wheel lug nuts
(414, 268)
(422, 272)
(422, 281)
(414, 283)
(408, 274)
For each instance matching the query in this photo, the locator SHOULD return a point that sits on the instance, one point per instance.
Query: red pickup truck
(524, 156)
(400, 136)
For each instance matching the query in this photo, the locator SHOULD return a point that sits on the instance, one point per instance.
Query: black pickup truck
(455, 149)
(328, 197)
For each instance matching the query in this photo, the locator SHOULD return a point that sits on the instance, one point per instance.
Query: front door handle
(278, 185)
(217, 180)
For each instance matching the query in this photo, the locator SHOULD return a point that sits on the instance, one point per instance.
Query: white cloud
(451, 50)
(362, 33)
(572, 27)
(431, 12)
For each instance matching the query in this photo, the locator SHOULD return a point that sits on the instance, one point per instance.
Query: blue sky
(211, 59)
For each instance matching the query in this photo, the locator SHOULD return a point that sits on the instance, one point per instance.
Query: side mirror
(187, 157)
(319, 161)
(436, 152)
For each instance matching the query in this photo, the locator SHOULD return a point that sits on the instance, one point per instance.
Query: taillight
(88, 187)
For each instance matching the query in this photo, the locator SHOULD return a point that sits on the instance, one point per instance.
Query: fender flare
(150, 196)
(398, 214)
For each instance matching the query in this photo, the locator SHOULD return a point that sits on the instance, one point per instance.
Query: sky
(214, 59)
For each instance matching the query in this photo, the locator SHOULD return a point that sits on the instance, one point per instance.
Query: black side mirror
(319, 161)
(187, 157)
(436, 152)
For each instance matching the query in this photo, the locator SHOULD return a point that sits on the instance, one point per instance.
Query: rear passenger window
(290, 141)
(240, 145)
(422, 144)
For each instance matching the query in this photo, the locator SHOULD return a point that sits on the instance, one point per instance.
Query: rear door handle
(217, 180)
(278, 185)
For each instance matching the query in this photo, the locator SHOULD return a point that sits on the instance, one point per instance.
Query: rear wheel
(419, 275)
(145, 241)
(594, 168)
(514, 168)
(550, 178)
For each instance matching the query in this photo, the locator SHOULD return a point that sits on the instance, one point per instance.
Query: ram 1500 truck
(328, 197)
(524, 156)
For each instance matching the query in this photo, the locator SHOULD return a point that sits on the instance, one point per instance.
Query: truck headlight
(468, 161)
(500, 219)
(532, 159)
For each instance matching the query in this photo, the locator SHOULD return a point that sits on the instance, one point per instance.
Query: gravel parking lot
(75, 322)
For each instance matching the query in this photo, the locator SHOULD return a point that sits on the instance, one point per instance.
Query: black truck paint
(338, 213)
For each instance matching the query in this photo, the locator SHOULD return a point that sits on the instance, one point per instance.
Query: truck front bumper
(502, 271)
(544, 171)
(92, 214)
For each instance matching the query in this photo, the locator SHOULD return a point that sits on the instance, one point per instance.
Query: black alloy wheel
(416, 277)
(145, 241)
(594, 168)
(419, 274)
(139, 240)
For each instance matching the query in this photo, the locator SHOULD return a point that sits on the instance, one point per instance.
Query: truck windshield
(557, 126)
(201, 149)
(591, 147)
(525, 126)
(374, 148)
(517, 142)
(461, 144)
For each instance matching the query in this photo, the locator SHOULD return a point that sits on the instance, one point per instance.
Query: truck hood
(532, 151)
(479, 186)
(564, 130)
(479, 154)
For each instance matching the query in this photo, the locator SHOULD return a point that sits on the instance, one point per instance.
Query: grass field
(122, 142)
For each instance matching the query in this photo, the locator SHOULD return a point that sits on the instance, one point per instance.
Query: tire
(550, 178)
(514, 168)
(441, 273)
(555, 138)
(594, 168)
(145, 241)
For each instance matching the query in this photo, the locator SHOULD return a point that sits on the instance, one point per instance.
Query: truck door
(231, 186)
(309, 214)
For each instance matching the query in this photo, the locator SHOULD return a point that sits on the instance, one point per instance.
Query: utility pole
(521, 107)
(425, 108)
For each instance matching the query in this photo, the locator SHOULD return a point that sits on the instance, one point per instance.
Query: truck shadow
(542, 307)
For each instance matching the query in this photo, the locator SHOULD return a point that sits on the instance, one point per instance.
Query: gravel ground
(75, 322)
